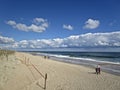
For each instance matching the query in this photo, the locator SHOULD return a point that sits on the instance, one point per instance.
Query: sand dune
(18, 73)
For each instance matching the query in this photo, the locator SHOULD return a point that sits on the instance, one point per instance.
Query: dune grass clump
(6, 53)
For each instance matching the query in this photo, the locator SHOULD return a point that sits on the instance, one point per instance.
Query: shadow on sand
(92, 72)
(40, 85)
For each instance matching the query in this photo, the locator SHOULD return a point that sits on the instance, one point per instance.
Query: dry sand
(17, 73)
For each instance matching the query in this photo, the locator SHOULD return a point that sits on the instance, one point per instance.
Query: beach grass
(6, 53)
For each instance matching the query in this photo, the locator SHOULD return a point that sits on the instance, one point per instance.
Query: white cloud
(39, 20)
(38, 25)
(91, 24)
(10, 22)
(111, 39)
(6, 40)
(68, 27)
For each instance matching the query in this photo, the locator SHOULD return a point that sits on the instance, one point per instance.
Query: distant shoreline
(105, 66)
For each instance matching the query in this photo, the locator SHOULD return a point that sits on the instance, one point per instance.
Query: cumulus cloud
(10, 22)
(111, 39)
(40, 43)
(6, 40)
(91, 24)
(68, 27)
(39, 20)
(38, 25)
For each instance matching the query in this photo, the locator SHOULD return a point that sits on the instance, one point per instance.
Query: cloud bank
(6, 40)
(38, 25)
(111, 39)
(91, 24)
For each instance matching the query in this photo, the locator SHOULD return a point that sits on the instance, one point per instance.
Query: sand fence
(26, 61)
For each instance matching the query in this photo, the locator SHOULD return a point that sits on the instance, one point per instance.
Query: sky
(53, 24)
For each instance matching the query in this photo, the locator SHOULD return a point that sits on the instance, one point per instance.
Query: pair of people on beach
(97, 69)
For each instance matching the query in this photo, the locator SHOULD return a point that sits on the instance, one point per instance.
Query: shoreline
(111, 68)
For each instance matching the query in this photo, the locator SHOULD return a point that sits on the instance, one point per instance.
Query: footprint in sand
(3, 80)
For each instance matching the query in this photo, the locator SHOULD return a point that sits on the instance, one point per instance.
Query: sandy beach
(24, 71)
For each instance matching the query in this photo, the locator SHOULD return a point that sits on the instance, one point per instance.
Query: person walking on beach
(97, 69)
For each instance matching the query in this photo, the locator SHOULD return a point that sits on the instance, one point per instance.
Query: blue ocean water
(113, 57)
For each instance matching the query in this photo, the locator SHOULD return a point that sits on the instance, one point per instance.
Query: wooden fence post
(45, 81)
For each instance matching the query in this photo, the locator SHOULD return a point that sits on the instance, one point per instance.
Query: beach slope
(24, 71)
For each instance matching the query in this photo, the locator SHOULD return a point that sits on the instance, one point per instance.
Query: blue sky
(37, 24)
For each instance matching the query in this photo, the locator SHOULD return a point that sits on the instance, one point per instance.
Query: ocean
(111, 57)
(109, 61)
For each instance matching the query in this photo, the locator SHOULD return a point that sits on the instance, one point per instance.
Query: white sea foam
(71, 59)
